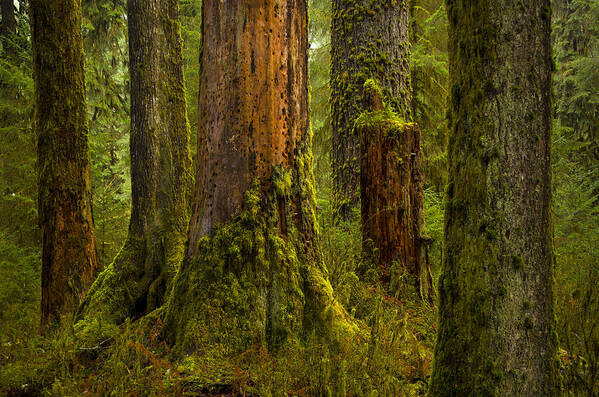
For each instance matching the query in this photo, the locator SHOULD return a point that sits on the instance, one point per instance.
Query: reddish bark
(253, 103)
(392, 182)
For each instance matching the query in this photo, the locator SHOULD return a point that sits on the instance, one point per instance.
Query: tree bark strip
(9, 20)
(253, 103)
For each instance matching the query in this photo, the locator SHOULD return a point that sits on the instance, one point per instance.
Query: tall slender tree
(65, 204)
(496, 332)
(137, 280)
(254, 271)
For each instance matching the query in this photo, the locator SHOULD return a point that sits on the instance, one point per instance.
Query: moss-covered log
(369, 39)
(65, 205)
(253, 273)
(135, 283)
(391, 189)
(496, 332)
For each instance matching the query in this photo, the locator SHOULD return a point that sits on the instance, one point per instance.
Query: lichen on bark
(496, 332)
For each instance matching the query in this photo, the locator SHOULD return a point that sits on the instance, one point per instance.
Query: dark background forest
(403, 328)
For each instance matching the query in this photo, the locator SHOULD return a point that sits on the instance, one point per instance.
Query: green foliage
(576, 191)
(190, 12)
(18, 181)
(107, 85)
(576, 47)
(577, 257)
(430, 79)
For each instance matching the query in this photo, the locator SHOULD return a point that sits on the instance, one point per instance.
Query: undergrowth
(395, 358)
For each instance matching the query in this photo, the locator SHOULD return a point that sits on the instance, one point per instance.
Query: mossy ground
(393, 358)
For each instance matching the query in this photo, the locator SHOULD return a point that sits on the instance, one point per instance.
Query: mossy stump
(391, 186)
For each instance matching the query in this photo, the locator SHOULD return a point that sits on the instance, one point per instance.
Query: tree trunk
(254, 272)
(496, 330)
(65, 205)
(9, 20)
(369, 39)
(392, 184)
(136, 282)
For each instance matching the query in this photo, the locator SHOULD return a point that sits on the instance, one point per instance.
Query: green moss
(254, 284)
(480, 307)
(385, 118)
(373, 54)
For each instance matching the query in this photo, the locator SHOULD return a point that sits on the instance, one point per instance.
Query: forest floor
(395, 357)
(395, 360)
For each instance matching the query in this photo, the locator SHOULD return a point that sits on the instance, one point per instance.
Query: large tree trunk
(136, 282)
(253, 273)
(391, 186)
(65, 205)
(369, 39)
(496, 329)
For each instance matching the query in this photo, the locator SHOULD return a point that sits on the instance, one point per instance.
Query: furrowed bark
(136, 282)
(392, 184)
(496, 327)
(65, 204)
(369, 39)
(253, 272)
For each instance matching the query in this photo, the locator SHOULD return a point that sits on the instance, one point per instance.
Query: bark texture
(253, 272)
(9, 20)
(369, 39)
(392, 185)
(253, 104)
(136, 282)
(65, 204)
(496, 330)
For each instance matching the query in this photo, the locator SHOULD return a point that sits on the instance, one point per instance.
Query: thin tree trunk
(496, 330)
(65, 204)
(136, 282)
(369, 39)
(254, 273)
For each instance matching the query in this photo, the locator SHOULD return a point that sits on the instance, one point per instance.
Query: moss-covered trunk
(369, 39)
(253, 272)
(9, 20)
(378, 163)
(392, 185)
(496, 330)
(135, 283)
(65, 204)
